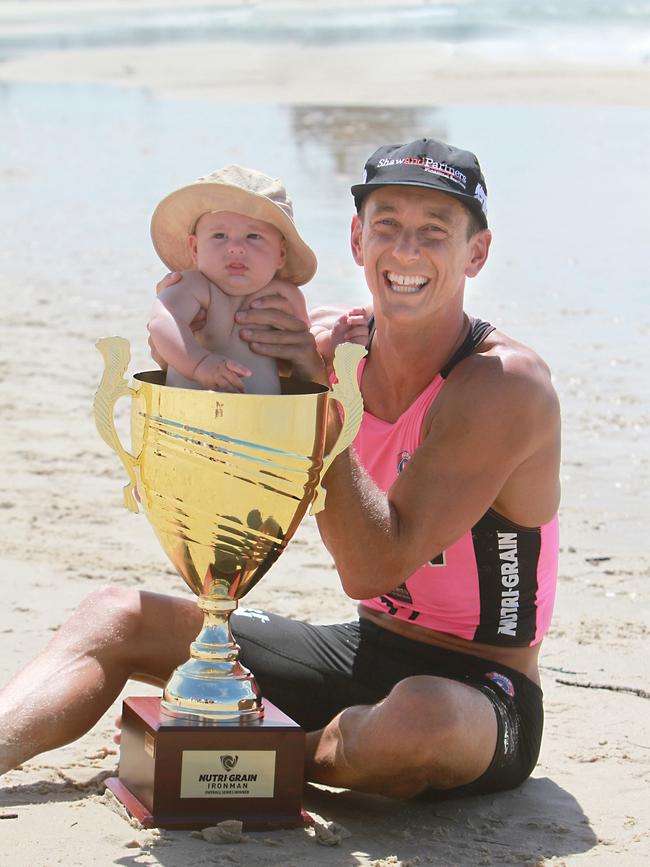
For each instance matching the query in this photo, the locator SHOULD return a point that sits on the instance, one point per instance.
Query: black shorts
(314, 672)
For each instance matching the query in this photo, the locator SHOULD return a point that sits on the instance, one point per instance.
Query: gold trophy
(225, 480)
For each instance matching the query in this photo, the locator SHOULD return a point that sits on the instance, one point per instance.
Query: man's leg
(428, 732)
(115, 634)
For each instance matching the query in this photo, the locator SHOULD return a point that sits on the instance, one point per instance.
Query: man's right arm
(489, 425)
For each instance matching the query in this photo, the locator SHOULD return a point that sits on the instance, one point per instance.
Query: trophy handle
(346, 392)
(113, 386)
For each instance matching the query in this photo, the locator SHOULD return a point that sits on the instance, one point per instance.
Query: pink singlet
(496, 584)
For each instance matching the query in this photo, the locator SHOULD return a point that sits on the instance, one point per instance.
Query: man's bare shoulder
(503, 364)
(506, 384)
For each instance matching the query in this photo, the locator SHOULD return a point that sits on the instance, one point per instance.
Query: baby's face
(239, 254)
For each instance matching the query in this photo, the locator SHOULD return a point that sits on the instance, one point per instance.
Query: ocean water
(601, 31)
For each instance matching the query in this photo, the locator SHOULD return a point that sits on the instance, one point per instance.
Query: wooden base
(179, 773)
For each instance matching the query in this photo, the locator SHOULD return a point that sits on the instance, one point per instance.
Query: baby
(232, 237)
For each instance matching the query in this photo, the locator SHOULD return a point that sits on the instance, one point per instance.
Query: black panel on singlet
(507, 556)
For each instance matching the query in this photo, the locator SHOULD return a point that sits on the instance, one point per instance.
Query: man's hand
(196, 324)
(271, 328)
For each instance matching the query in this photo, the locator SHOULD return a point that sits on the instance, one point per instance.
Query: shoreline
(289, 73)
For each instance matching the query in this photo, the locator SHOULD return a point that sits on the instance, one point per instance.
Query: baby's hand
(220, 373)
(351, 327)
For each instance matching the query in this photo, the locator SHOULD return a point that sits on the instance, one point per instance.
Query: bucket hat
(242, 191)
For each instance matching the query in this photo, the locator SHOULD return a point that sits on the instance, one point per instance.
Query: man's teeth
(405, 283)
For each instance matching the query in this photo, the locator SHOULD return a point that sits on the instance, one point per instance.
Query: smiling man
(442, 522)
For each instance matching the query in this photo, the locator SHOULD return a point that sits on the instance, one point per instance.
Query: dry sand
(65, 533)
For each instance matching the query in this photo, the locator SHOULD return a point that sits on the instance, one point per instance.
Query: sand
(299, 74)
(65, 532)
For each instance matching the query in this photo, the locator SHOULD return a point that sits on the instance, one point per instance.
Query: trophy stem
(213, 684)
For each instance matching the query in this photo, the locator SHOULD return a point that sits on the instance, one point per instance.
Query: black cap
(431, 164)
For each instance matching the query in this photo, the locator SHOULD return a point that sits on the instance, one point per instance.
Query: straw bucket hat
(232, 188)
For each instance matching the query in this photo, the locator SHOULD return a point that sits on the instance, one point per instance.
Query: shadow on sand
(536, 821)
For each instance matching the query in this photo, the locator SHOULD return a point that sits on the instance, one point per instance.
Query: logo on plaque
(229, 762)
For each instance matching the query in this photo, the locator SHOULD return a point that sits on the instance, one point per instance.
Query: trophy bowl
(225, 480)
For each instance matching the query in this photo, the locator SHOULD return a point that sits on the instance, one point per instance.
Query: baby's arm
(172, 312)
(169, 326)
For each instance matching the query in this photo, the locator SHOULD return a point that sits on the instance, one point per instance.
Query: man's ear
(192, 244)
(479, 249)
(355, 239)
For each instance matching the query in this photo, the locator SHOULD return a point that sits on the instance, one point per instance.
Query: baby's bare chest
(221, 330)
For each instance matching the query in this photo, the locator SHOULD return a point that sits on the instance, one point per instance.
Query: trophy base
(189, 774)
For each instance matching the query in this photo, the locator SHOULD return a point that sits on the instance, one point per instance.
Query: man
(441, 520)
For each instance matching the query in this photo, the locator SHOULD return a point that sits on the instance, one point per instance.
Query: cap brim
(360, 191)
(175, 218)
